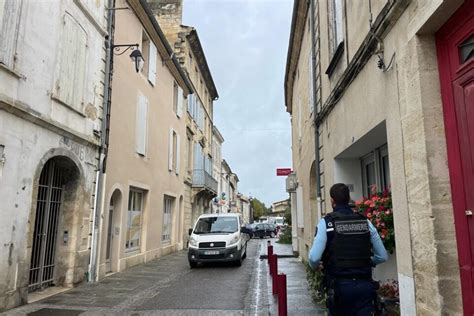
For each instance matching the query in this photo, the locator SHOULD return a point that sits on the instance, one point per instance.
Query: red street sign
(284, 171)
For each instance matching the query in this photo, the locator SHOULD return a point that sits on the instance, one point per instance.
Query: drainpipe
(94, 257)
(315, 105)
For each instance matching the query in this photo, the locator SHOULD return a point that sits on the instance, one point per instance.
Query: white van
(218, 238)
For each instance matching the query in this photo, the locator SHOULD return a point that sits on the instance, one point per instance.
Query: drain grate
(55, 312)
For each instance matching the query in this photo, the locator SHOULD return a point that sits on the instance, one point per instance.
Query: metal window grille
(46, 226)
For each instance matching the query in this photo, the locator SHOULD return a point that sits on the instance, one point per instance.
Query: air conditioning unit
(291, 183)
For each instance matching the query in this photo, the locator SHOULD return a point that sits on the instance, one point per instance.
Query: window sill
(335, 59)
(11, 71)
(132, 251)
(70, 107)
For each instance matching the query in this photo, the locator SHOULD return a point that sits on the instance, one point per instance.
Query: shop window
(134, 221)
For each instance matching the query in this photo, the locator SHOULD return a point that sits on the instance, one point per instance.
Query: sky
(246, 42)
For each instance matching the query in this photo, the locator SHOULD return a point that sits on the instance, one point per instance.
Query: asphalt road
(166, 287)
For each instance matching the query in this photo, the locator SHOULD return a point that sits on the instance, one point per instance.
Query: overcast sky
(245, 42)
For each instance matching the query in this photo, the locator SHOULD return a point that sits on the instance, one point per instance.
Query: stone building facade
(201, 186)
(51, 88)
(217, 141)
(369, 86)
(143, 208)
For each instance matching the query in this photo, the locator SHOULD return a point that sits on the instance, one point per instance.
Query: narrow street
(167, 287)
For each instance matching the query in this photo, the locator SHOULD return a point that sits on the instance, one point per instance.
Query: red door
(455, 46)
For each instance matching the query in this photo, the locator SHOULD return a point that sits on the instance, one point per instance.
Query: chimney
(169, 14)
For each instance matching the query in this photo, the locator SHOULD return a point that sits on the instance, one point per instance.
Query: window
(173, 152)
(134, 221)
(466, 50)
(141, 125)
(70, 82)
(149, 52)
(375, 171)
(145, 48)
(198, 157)
(175, 97)
(336, 34)
(190, 153)
(9, 20)
(167, 218)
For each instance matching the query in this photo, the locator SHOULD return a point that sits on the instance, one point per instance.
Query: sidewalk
(299, 299)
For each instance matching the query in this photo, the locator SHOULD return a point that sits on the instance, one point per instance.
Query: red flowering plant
(378, 209)
(389, 289)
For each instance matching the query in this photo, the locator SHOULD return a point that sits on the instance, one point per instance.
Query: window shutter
(338, 22)
(141, 125)
(179, 109)
(178, 153)
(170, 151)
(152, 64)
(67, 65)
(80, 68)
(9, 20)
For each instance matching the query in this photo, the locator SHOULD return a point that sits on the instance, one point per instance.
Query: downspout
(315, 104)
(94, 258)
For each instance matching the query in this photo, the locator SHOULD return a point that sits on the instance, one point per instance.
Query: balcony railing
(202, 179)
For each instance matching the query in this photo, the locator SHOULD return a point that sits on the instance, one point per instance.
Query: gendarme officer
(349, 246)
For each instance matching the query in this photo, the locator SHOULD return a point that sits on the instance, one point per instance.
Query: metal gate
(46, 226)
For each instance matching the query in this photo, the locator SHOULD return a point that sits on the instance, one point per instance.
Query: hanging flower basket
(378, 209)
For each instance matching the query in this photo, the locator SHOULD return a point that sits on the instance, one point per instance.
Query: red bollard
(274, 275)
(269, 252)
(282, 299)
(271, 264)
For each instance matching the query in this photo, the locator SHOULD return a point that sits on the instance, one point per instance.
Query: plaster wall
(35, 128)
(149, 173)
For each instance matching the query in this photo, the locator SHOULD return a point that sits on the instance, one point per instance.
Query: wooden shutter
(9, 21)
(178, 153)
(152, 53)
(70, 80)
(80, 68)
(170, 151)
(141, 125)
(65, 81)
(179, 109)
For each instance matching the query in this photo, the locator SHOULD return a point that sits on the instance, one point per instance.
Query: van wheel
(238, 263)
(192, 264)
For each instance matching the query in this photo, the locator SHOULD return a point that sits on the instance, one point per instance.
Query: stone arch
(67, 230)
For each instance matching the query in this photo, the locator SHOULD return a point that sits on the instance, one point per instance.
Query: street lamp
(136, 54)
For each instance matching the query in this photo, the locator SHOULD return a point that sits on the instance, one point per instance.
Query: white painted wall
(32, 124)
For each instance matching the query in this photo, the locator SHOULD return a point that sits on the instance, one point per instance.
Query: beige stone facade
(201, 185)
(143, 211)
(379, 124)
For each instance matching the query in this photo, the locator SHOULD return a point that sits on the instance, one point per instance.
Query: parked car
(264, 230)
(218, 238)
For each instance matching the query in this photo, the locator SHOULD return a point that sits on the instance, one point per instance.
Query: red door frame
(452, 33)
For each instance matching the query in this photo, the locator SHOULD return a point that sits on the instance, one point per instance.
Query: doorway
(110, 236)
(57, 174)
(455, 47)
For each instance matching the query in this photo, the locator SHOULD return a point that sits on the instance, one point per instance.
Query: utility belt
(351, 277)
